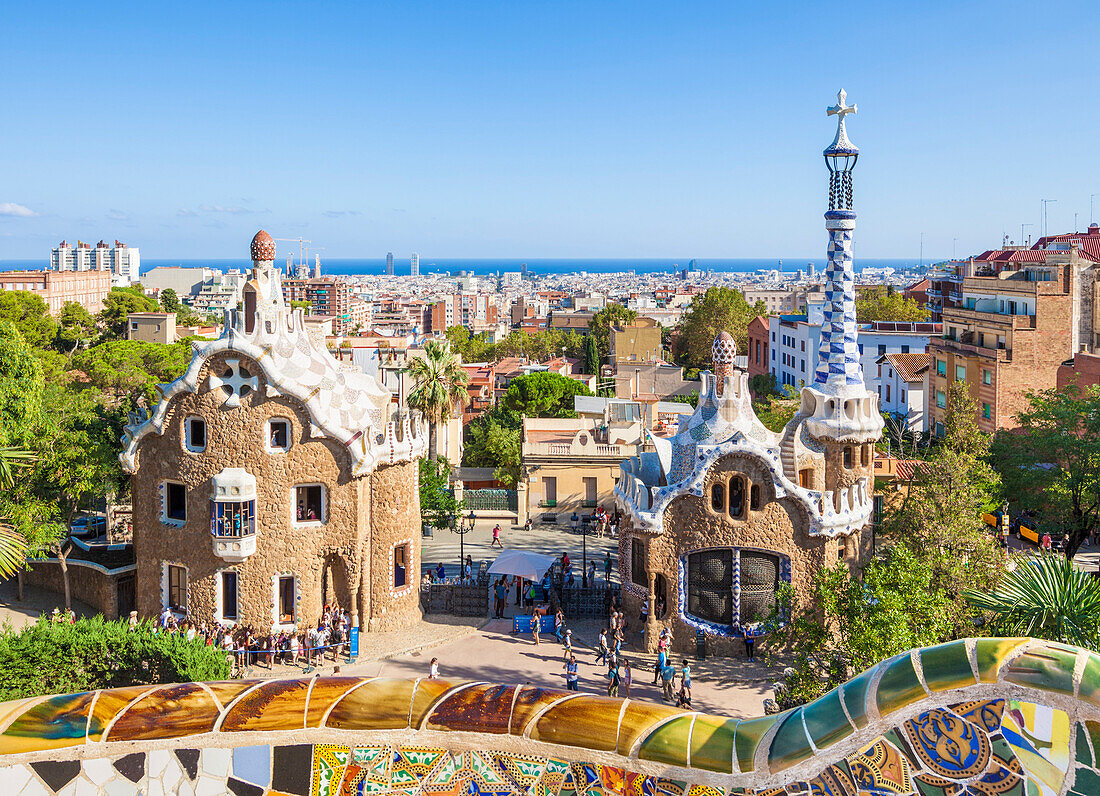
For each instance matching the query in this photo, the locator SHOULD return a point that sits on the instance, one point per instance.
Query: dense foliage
(1045, 597)
(438, 506)
(493, 440)
(888, 305)
(62, 658)
(536, 347)
(1051, 463)
(933, 548)
(543, 394)
(719, 309)
(127, 370)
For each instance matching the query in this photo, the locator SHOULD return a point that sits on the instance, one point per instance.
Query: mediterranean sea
(484, 266)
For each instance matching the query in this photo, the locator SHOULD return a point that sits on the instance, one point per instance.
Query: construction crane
(302, 248)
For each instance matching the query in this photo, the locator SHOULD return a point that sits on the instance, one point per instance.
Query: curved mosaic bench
(977, 716)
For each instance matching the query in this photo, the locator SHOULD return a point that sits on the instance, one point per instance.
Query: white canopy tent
(531, 566)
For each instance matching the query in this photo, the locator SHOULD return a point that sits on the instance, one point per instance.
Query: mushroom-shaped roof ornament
(263, 247)
(724, 350)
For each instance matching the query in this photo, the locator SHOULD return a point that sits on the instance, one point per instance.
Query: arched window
(848, 456)
(754, 497)
(249, 309)
(737, 497)
(718, 497)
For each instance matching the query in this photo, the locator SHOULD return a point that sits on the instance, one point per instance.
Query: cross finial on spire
(840, 110)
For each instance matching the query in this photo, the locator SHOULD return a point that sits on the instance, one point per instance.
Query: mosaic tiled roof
(344, 405)
(975, 716)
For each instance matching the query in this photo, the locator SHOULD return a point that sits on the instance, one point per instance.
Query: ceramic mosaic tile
(1034, 740)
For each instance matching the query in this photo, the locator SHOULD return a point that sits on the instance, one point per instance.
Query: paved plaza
(444, 546)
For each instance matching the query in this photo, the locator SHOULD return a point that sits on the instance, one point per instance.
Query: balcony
(233, 515)
(961, 347)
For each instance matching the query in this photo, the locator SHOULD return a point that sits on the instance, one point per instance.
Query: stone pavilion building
(721, 514)
(269, 481)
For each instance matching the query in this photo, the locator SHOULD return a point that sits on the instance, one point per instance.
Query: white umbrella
(531, 566)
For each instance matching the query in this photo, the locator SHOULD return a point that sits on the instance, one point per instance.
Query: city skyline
(535, 132)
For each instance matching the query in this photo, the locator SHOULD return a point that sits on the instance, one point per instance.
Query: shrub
(49, 658)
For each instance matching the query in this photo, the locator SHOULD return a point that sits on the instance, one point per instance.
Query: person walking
(627, 677)
(601, 653)
(568, 642)
(685, 685)
(607, 568)
(613, 676)
(559, 625)
(571, 674)
(502, 598)
(749, 643)
(496, 537)
(536, 621)
(433, 669)
(662, 658)
(667, 675)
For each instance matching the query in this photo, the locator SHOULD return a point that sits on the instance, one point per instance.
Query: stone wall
(691, 524)
(395, 521)
(90, 585)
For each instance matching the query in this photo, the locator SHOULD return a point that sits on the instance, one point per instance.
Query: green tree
(31, 316)
(21, 388)
(169, 300)
(131, 369)
(719, 309)
(591, 362)
(1046, 598)
(438, 506)
(1051, 463)
(847, 623)
(543, 394)
(14, 538)
(888, 306)
(600, 327)
(76, 327)
(117, 306)
(493, 440)
(305, 306)
(940, 514)
(439, 387)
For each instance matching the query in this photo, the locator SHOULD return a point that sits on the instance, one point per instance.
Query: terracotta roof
(909, 366)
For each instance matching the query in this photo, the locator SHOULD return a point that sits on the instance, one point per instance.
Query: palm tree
(1045, 597)
(439, 385)
(13, 547)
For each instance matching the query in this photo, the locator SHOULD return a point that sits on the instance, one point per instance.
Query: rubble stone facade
(269, 482)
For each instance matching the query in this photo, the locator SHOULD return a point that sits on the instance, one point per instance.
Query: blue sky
(541, 129)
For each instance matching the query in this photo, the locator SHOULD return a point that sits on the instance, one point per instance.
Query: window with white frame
(309, 503)
(228, 594)
(286, 599)
(194, 429)
(278, 435)
(177, 588)
(173, 503)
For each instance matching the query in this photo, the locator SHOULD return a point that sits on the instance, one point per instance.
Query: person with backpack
(601, 653)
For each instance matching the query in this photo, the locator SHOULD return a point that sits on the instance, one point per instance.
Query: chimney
(1094, 229)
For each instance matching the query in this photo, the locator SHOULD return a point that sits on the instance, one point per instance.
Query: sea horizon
(542, 266)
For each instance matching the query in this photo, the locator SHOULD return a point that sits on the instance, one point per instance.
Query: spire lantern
(841, 157)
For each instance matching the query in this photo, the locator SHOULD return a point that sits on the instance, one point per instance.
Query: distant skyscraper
(415, 260)
(120, 260)
(389, 263)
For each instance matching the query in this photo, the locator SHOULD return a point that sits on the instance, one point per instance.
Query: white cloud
(117, 215)
(220, 209)
(15, 210)
(340, 213)
(183, 211)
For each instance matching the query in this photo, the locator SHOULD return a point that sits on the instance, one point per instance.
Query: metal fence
(490, 499)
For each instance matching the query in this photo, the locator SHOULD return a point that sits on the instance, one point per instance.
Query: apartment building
(794, 343)
(899, 382)
(120, 260)
(87, 288)
(637, 342)
(475, 311)
(759, 336)
(328, 296)
(1008, 335)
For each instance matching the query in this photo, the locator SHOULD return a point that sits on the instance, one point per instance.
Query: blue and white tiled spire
(838, 365)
